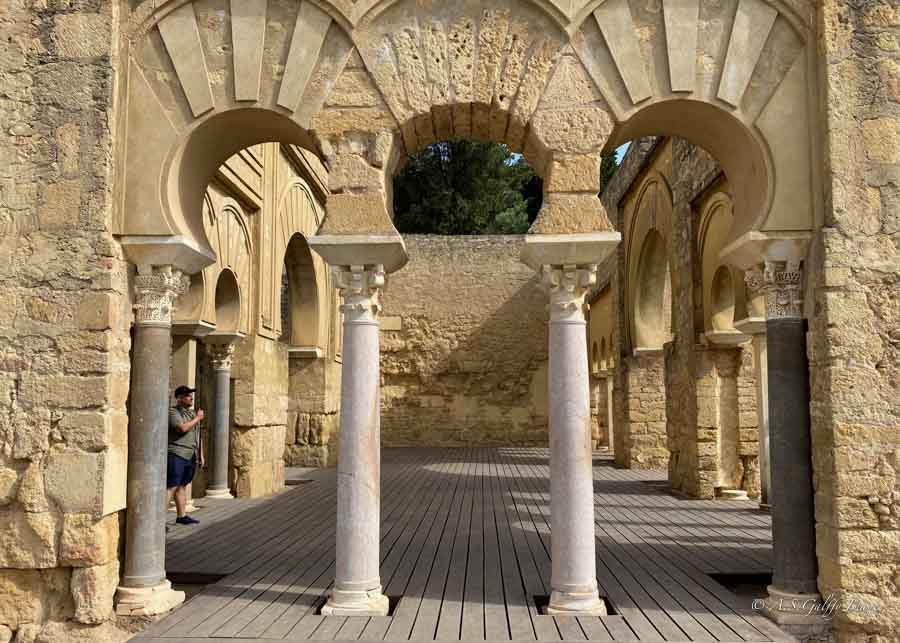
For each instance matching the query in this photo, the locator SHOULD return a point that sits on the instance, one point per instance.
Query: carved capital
(568, 286)
(156, 290)
(782, 283)
(360, 286)
(754, 280)
(221, 356)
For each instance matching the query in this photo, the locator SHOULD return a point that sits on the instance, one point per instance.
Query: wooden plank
(472, 628)
(496, 626)
(569, 628)
(353, 628)
(594, 629)
(450, 618)
(618, 628)
(376, 629)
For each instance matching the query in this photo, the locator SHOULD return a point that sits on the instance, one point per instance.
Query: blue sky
(620, 151)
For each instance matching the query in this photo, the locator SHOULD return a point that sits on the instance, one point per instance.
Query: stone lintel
(568, 249)
(192, 328)
(646, 351)
(178, 251)
(305, 352)
(755, 247)
(726, 337)
(751, 325)
(222, 338)
(386, 250)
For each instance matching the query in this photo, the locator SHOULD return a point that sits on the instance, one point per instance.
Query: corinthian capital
(156, 290)
(360, 286)
(568, 285)
(221, 356)
(782, 283)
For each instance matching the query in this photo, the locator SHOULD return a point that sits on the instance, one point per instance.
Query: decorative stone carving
(568, 285)
(360, 286)
(754, 280)
(782, 281)
(156, 291)
(221, 356)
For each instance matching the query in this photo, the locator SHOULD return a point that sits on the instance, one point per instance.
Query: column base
(344, 603)
(799, 614)
(575, 604)
(218, 493)
(147, 601)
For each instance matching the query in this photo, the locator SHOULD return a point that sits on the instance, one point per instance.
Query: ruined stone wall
(853, 304)
(464, 346)
(260, 373)
(313, 422)
(642, 443)
(64, 319)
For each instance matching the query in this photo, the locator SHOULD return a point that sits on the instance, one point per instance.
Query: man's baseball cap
(183, 390)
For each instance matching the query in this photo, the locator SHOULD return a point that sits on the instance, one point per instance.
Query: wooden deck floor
(464, 543)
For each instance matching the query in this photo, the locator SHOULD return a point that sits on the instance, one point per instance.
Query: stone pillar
(574, 573)
(144, 589)
(221, 356)
(755, 325)
(610, 410)
(793, 521)
(357, 584)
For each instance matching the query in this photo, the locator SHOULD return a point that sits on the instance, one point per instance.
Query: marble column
(793, 521)
(221, 356)
(574, 573)
(357, 584)
(144, 589)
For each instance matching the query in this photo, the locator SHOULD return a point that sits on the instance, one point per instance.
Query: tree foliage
(466, 187)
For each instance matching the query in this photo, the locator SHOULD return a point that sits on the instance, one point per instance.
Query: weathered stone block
(63, 391)
(28, 540)
(61, 206)
(87, 431)
(82, 35)
(92, 590)
(86, 541)
(31, 489)
(98, 311)
(72, 479)
(9, 481)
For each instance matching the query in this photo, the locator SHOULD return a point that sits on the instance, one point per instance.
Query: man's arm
(184, 427)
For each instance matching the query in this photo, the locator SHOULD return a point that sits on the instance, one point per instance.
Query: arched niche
(595, 359)
(300, 303)
(722, 300)
(723, 290)
(652, 317)
(228, 303)
(604, 355)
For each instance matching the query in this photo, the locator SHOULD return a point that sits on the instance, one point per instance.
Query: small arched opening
(228, 303)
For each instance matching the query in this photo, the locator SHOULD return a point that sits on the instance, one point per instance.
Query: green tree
(466, 187)
(608, 167)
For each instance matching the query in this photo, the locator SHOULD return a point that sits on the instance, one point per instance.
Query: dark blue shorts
(179, 472)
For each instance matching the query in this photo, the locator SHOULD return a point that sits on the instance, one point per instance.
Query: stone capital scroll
(568, 286)
(360, 286)
(156, 290)
(221, 356)
(782, 282)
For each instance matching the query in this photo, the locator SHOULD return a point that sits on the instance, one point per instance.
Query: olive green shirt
(184, 445)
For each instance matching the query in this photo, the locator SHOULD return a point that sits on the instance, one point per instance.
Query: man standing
(184, 444)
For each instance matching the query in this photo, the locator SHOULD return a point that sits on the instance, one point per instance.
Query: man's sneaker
(187, 520)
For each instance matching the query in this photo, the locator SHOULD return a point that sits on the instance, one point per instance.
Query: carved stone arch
(648, 214)
(731, 77)
(203, 82)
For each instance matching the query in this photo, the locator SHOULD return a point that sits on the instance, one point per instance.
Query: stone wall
(853, 304)
(260, 373)
(64, 318)
(464, 346)
(313, 422)
(641, 442)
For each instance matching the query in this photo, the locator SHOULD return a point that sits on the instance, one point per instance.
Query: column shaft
(573, 563)
(144, 590)
(762, 403)
(357, 585)
(218, 483)
(793, 520)
(145, 544)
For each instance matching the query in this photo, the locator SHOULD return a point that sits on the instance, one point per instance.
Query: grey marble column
(793, 520)
(144, 589)
(221, 356)
(357, 584)
(574, 573)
